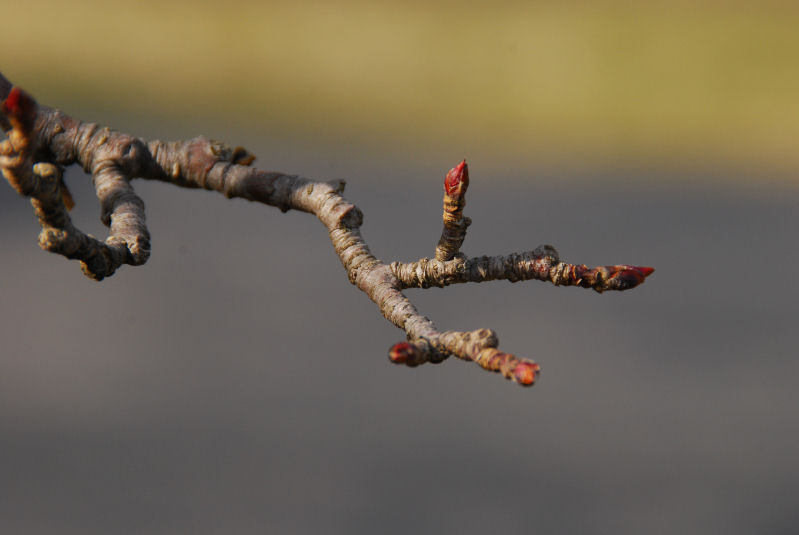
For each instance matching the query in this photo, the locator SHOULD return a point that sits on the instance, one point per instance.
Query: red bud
(629, 277)
(525, 373)
(457, 180)
(401, 353)
(19, 106)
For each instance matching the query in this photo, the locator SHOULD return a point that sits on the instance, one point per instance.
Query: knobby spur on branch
(41, 141)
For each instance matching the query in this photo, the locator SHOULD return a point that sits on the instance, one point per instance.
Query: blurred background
(238, 383)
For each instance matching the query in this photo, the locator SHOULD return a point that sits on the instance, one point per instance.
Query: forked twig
(42, 140)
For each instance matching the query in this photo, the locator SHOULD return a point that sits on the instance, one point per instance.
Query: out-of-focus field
(656, 83)
(238, 383)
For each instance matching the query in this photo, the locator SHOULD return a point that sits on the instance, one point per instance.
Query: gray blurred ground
(237, 383)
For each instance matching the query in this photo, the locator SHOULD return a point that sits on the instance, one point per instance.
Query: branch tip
(455, 184)
(627, 277)
(457, 180)
(644, 270)
(601, 278)
(402, 353)
(519, 370)
(20, 108)
(526, 373)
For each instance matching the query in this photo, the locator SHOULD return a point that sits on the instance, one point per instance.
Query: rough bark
(41, 141)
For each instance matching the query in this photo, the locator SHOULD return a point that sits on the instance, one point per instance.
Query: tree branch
(41, 141)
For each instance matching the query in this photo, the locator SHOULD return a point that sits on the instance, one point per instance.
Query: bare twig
(42, 140)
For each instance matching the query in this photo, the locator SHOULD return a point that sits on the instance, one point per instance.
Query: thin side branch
(541, 264)
(42, 140)
(455, 184)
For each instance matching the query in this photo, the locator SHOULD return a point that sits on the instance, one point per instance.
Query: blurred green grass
(614, 83)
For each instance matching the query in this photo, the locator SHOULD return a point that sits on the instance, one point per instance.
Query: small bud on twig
(602, 278)
(401, 353)
(20, 108)
(455, 184)
(457, 180)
